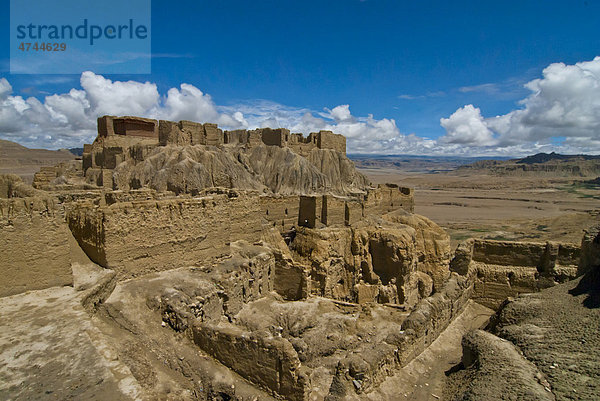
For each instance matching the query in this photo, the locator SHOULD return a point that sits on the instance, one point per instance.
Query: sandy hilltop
(177, 261)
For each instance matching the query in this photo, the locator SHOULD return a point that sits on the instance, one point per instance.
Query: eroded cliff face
(432, 245)
(190, 169)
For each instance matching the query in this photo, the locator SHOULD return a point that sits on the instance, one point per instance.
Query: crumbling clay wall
(281, 211)
(35, 245)
(389, 197)
(271, 362)
(429, 318)
(331, 210)
(505, 269)
(433, 314)
(139, 237)
(397, 259)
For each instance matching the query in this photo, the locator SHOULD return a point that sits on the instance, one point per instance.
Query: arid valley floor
(478, 204)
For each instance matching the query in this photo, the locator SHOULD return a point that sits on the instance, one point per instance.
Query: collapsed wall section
(363, 371)
(135, 236)
(35, 245)
(281, 211)
(391, 260)
(505, 269)
(389, 197)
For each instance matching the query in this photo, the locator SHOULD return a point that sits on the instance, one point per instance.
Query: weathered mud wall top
(165, 132)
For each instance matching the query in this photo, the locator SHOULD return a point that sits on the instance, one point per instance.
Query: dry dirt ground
(502, 208)
(50, 349)
(548, 347)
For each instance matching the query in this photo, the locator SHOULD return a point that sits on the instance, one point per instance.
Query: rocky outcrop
(433, 245)
(190, 169)
(590, 252)
(495, 370)
(321, 171)
(543, 345)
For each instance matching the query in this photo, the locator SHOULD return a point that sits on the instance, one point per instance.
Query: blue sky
(407, 61)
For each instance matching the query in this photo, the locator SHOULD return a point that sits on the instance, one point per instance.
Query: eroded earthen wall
(389, 197)
(270, 362)
(505, 269)
(34, 240)
(139, 237)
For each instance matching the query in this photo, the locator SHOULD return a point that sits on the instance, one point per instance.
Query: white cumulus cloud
(561, 113)
(563, 107)
(5, 88)
(69, 119)
(467, 127)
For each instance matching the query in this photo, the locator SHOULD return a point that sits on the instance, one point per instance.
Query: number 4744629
(42, 47)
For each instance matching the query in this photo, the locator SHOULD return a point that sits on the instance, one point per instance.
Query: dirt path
(424, 378)
(50, 350)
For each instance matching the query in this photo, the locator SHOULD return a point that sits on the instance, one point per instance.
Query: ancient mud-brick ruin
(252, 264)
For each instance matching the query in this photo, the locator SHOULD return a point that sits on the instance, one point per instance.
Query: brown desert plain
(479, 203)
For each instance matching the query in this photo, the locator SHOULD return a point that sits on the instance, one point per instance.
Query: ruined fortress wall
(568, 255)
(270, 362)
(432, 315)
(508, 253)
(139, 237)
(333, 210)
(387, 198)
(329, 140)
(127, 126)
(117, 136)
(35, 245)
(301, 148)
(505, 269)
(280, 211)
(275, 137)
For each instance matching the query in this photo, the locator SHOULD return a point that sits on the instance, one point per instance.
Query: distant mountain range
(25, 162)
(547, 157)
(76, 151)
(413, 164)
(540, 164)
